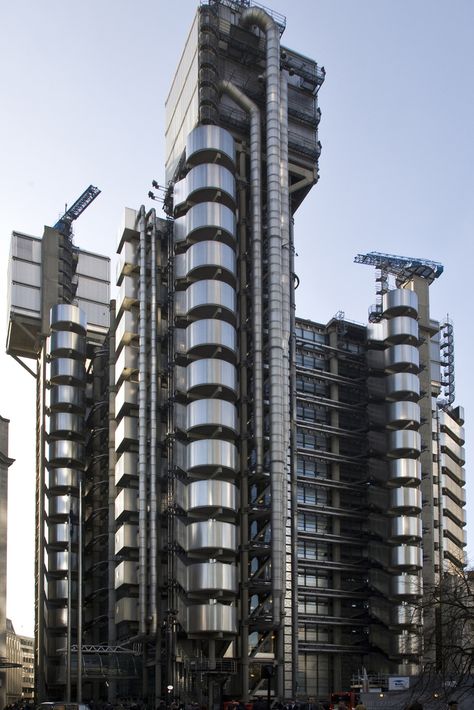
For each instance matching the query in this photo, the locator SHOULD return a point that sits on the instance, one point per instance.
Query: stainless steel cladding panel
(66, 452)
(60, 533)
(126, 433)
(449, 447)
(451, 427)
(59, 478)
(406, 645)
(403, 414)
(65, 316)
(209, 454)
(203, 220)
(404, 470)
(66, 370)
(212, 577)
(205, 179)
(58, 589)
(126, 573)
(58, 561)
(208, 373)
(406, 615)
(126, 398)
(126, 609)
(407, 557)
(211, 618)
(403, 385)
(203, 258)
(452, 469)
(126, 328)
(67, 343)
(206, 141)
(404, 442)
(406, 585)
(211, 331)
(58, 618)
(405, 499)
(204, 297)
(211, 412)
(127, 260)
(126, 468)
(66, 424)
(127, 295)
(209, 493)
(126, 537)
(210, 535)
(126, 503)
(402, 358)
(61, 506)
(67, 397)
(406, 527)
(401, 328)
(126, 363)
(400, 301)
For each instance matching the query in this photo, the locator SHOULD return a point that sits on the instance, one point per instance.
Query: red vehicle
(350, 698)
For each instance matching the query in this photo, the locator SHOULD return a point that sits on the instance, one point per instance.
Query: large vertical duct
(256, 198)
(256, 16)
(153, 434)
(142, 431)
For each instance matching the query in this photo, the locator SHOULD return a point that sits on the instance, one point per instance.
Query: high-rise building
(229, 500)
(5, 463)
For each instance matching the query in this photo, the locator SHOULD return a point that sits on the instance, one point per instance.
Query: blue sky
(83, 86)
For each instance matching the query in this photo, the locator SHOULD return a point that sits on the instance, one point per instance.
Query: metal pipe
(111, 627)
(256, 16)
(142, 430)
(153, 437)
(69, 607)
(79, 596)
(257, 310)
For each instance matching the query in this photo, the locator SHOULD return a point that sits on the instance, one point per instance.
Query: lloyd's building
(229, 498)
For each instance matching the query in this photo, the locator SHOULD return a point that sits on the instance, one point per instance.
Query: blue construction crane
(402, 267)
(64, 224)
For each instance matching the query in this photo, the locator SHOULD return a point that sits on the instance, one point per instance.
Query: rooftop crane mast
(64, 224)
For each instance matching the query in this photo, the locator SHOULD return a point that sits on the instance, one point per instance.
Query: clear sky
(82, 88)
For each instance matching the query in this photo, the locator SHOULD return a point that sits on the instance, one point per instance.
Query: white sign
(398, 682)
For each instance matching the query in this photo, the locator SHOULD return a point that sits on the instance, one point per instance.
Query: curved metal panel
(126, 573)
(67, 398)
(204, 297)
(406, 615)
(68, 452)
(403, 385)
(404, 471)
(58, 589)
(66, 424)
(402, 358)
(406, 585)
(60, 506)
(210, 493)
(201, 184)
(212, 577)
(407, 557)
(211, 619)
(63, 478)
(207, 334)
(206, 220)
(406, 527)
(66, 370)
(400, 301)
(65, 316)
(208, 535)
(402, 329)
(126, 537)
(126, 469)
(204, 258)
(404, 442)
(406, 645)
(206, 374)
(63, 342)
(126, 503)
(205, 413)
(57, 618)
(209, 143)
(403, 415)
(405, 499)
(58, 533)
(126, 609)
(58, 561)
(205, 455)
